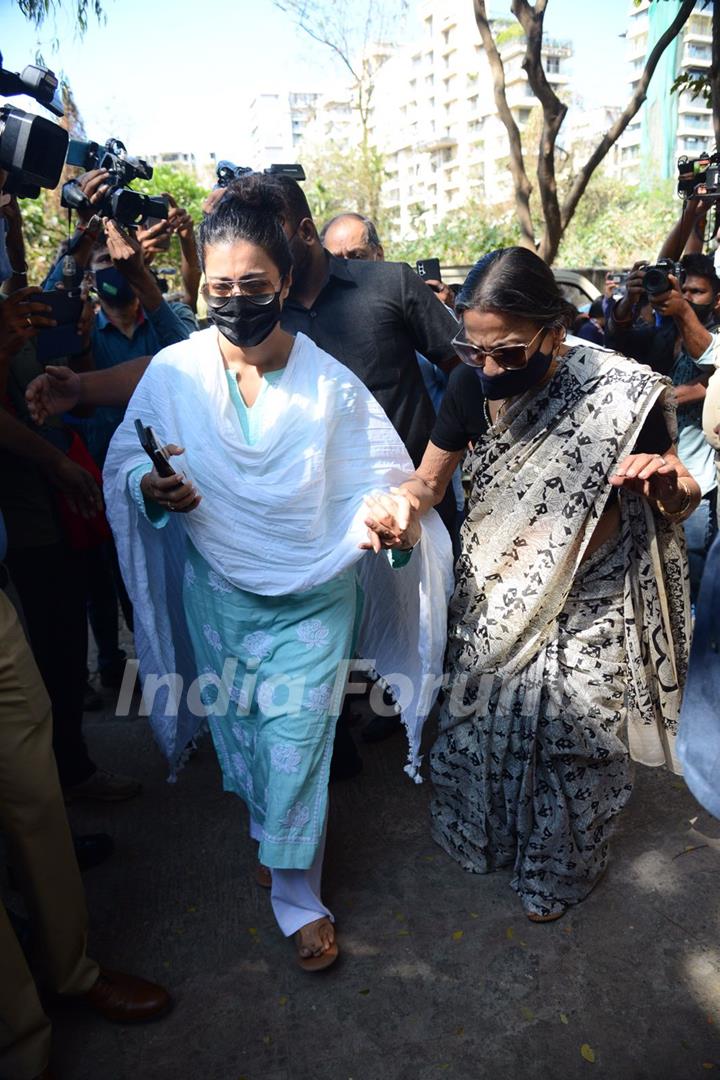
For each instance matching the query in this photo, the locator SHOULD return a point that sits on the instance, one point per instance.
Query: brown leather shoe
(127, 999)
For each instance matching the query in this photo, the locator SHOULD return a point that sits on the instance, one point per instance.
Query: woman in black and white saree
(569, 624)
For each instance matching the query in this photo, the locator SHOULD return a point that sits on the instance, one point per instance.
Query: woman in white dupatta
(243, 568)
(569, 623)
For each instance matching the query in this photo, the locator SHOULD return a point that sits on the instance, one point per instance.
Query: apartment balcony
(556, 47)
(703, 131)
(704, 137)
(696, 55)
(637, 46)
(688, 104)
(698, 28)
(430, 141)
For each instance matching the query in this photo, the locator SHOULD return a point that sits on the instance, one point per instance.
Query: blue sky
(180, 75)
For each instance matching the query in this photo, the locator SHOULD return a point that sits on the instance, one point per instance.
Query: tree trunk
(558, 217)
(521, 182)
(554, 112)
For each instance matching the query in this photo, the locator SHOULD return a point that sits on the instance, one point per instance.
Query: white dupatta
(278, 517)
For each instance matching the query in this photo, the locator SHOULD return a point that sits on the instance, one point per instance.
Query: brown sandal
(317, 963)
(544, 918)
(559, 914)
(263, 876)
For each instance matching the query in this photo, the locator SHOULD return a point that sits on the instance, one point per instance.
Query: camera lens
(655, 281)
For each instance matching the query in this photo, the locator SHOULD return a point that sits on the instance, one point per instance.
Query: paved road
(441, 974)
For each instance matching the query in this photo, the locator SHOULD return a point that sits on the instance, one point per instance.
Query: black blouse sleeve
(461, 419)
(654, 437)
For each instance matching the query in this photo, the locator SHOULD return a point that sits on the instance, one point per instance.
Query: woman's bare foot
(316, 945)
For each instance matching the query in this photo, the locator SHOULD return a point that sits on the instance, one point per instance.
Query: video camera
(227, 172)
(656, 280)
(125, 206)
(704, 169)
(32, 149)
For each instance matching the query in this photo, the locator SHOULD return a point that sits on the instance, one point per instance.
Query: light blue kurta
(269, 665)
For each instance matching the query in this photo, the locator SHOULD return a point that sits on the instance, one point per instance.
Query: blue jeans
(700, 531)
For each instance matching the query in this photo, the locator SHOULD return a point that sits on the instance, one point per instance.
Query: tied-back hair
(252, 212)
(294, 204)
(517, 282)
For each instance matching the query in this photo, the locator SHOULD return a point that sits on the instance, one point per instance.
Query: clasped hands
(392, 521)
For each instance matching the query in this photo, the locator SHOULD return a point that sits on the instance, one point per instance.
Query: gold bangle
(676, 515)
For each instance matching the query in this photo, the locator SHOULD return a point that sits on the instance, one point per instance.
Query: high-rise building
(277, 122)
(435, 120)
(669, 124)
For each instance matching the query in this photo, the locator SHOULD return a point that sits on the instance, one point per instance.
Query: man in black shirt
(371, 316)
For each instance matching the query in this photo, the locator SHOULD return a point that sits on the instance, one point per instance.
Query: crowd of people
(495, 509)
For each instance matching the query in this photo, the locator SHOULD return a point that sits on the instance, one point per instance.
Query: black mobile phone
(53, 342)
(157, 453)
(428, 269)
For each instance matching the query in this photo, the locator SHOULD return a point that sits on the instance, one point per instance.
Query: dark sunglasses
(508, 357)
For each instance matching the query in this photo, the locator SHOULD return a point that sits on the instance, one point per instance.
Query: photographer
(134, 320)
(155, 240)
(53, 513)
(686, 316)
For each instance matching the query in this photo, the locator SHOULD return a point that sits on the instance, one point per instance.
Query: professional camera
(656, 280)
(32, 149)
(227, 172)
(704, 169)
(125, 206)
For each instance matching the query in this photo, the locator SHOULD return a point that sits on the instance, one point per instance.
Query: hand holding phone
(65, 338)
(428, 269)
(163, 485)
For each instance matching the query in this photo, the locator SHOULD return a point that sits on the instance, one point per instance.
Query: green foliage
(694, 84)
(342, 179)
(45, 223)
(182, 184)
(44, 228)
(511, 32)
(38, 11)
(615, 225)
(188, 192)
(460, 238)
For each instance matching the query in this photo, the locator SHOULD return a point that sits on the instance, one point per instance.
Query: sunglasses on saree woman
(508, 357)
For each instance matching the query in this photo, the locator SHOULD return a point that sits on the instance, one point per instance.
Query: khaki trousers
(34, 824)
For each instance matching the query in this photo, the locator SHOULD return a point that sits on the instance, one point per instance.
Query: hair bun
(255, 193)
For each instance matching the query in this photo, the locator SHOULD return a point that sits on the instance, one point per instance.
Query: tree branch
(554, 112)
(613, 134)
(301, 12)
(517, 164)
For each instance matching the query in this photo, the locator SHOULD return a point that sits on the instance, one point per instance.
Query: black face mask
(704, 312)
(243, 323)
(513, 383)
